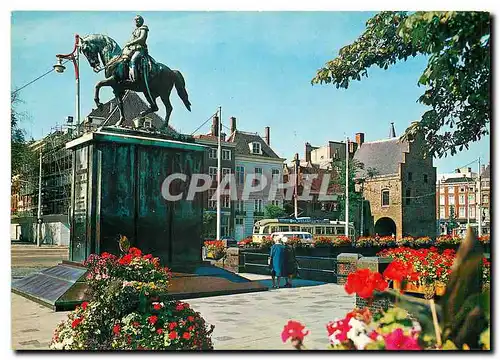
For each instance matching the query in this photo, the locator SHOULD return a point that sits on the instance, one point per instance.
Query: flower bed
(430, 265)
(410, 326)
(335, 241)
(447, 240)
(131, 310)
(216, 249)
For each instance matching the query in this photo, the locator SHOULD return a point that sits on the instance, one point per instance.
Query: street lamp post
(59, 67)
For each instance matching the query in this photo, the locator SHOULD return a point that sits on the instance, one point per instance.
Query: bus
(316, 227)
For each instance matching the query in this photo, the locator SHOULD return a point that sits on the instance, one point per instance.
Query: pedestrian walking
(291, 264)
(277, 262)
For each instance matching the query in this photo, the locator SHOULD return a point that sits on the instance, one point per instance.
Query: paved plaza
(251, 321)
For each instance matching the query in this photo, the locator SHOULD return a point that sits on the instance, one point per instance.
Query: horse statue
(155, 79)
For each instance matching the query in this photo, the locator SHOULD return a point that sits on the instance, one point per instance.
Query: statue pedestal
(117, 180)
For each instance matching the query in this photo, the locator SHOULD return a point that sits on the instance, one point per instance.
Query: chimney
(267, 135)
(469, 170)
(360, 138)
(215, 126)
(223, 136)
(308, 152)
(233, 124)
(392, 132)
(351, 147)
(457, 171)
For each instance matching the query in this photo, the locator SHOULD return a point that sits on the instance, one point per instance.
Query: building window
(240, 174)
(408, 196)
(226, 154)
(485, 199)
(258, 170)
(148, 124)
(442, 214)
(461, 199)
(472, 199)
(451, 199)
(275, 174)
(451, 189)
(212, 171)
(256, 148)
(461, 211)
(410, 176)
(257, 205)
(275, 203)
(212, 154)
(425, 178)
(441, 189)
(212, 204)
(472, 211)
(238, 221)
(240, 206)
(385, 197)
(441, 199)
(225, 201)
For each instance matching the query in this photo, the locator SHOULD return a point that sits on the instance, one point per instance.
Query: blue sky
(256, 65)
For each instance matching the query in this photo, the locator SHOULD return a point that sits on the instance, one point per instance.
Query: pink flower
(337, 330)
(293, 330)
(397, 340)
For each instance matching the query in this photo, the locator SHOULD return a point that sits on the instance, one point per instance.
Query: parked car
(305, 237)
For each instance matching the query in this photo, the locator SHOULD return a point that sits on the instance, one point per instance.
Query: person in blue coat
(277, 262)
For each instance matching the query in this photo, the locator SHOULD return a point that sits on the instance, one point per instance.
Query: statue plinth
(117, 179)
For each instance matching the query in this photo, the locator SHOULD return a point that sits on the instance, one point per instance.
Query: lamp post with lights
(59, 68)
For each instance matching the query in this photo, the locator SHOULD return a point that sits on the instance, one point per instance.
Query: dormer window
(255, 148)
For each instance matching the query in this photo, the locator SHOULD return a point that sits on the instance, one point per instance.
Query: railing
(309, 267)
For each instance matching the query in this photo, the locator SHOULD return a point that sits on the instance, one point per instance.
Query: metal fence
(309, 267)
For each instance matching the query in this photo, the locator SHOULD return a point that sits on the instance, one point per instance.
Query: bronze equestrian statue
(133, 69)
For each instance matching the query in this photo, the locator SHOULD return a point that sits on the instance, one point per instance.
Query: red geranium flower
(153, 319)
(363, 282)
(125, 260)
(136, 324)
(157, 306)
(76, 322)
(190, 318)
(84, 305)
(172, 335)
(179, 307)
(116, 329)
(172, 325)
(135, 252)
(397, 270)
(159, 331)
(186, 336)
(147, 257)
(293, 330)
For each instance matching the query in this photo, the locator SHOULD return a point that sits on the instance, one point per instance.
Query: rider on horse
(136, 47)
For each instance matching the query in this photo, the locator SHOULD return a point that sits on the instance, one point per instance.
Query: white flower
(358, 334)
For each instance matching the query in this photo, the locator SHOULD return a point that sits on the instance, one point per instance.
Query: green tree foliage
(339, 180)
(452, 220)
(22, 157)
(209, 225)
(457, 76)
(273, 212)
